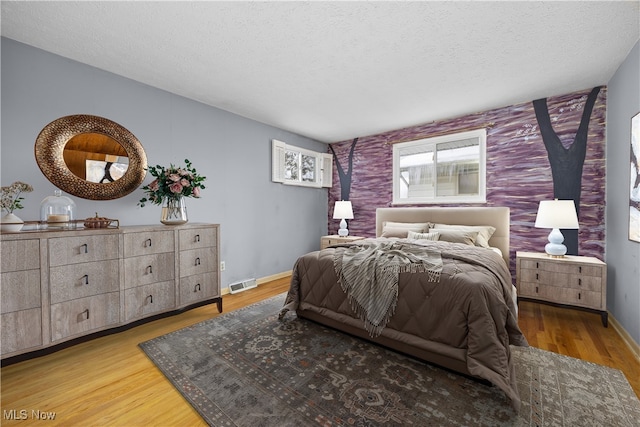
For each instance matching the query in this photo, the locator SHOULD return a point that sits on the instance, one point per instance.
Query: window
(298, 166)
(443, 169)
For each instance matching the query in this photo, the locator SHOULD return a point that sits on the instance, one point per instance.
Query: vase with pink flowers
(170, 188)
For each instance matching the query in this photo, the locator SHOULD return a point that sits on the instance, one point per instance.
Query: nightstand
(326, 241)
(572, 281)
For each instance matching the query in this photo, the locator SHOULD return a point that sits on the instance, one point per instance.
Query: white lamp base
(343, 232)
(555, 248)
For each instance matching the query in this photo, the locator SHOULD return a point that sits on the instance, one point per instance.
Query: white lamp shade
(557, 214)
(343, 210)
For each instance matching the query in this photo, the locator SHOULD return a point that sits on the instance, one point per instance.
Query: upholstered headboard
(498, 217)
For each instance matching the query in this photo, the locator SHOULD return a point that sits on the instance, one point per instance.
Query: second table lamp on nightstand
(556, 214)
(343, 211)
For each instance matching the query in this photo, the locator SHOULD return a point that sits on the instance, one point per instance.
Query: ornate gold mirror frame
(49, 151)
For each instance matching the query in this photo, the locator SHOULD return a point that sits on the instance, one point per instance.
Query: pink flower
(185, 182)
(154, 185)
(176, 188)
(196, 192)
(175, 177)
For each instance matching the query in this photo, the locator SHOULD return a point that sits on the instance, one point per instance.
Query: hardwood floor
(110, 381)
(578, 334)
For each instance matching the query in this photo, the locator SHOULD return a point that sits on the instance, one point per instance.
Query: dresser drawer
(147, 269)
(74, 250)
(149, 242)
(83, 315)
(198, 287)
(197, 261)
(145, 300)
(17, 255)
(197, 238)
(21, 330)
(560, 295)
(562, 267)
(20, 290)
(75, 281)
(545, 277)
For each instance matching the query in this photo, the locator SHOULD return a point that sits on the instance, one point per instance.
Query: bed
(452, 304)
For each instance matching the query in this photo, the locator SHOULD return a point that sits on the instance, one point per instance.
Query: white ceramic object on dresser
(59, 286)
(573, 281)
(11, 223)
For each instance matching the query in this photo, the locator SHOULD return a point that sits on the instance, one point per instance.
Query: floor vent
(242, 286)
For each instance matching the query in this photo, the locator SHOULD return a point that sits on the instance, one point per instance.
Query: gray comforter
(466, 320)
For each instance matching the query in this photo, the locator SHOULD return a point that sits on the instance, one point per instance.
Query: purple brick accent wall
(518, 171)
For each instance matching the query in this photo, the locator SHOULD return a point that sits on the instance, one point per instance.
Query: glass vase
(174, 211)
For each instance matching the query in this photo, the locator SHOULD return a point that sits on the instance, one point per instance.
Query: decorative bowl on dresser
(61, 287)
(572, 281)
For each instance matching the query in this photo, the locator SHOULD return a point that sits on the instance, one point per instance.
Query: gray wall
(265, 226)
(622, 254)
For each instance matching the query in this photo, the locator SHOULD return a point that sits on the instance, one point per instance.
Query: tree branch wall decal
(566, 163)
(345, 177)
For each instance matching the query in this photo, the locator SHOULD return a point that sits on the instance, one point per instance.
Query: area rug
(247, 368)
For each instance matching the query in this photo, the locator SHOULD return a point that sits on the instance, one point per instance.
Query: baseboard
(633, 346)
(274, 277)
(260, 281)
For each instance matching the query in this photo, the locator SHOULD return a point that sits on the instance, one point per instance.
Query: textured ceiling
(336, 70)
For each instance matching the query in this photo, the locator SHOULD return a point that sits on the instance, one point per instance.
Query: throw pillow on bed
(424, 236)
(400, 233)
(401, 229)
(484, 231)
(457, 236)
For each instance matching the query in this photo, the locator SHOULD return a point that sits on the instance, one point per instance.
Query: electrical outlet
(222, 265)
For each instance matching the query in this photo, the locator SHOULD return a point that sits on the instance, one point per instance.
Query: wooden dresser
(60, 286)
(574, 281)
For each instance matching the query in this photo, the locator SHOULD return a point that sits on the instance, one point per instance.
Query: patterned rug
(246, 368)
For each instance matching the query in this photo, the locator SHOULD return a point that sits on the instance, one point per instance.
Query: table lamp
(343, 211)
(556, 214)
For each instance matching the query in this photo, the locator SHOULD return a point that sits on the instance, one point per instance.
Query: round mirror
(90, 157)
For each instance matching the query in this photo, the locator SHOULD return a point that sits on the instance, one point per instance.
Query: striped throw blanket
(368, 273)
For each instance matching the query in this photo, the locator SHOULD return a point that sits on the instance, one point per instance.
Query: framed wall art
(634, 184)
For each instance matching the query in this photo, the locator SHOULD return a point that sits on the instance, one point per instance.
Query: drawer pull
(537, 276)
(536, 289)
(147, 243)
(85, 247)
(579, 282)
(197, 238)
(86, 312)
(537, 265)
(150, 298)
(198, 261)
(579, 295)
(149, 269)
(196, 288)
(580, 269)
(86, 279)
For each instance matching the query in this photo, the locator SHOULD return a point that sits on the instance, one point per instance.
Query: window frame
(430, 144)
(323, 166)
